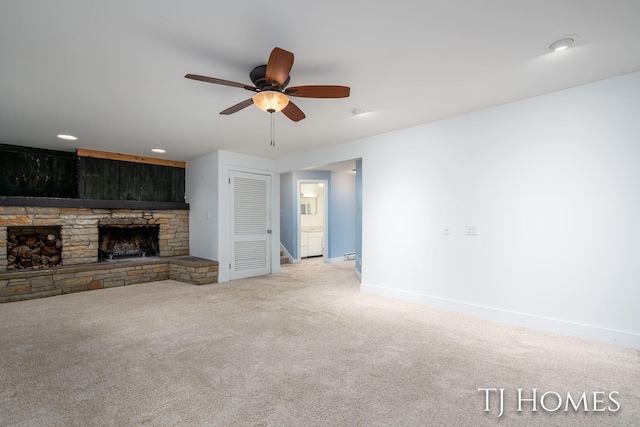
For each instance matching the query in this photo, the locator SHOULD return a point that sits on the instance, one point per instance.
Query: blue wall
(342, 214)
(288, 237)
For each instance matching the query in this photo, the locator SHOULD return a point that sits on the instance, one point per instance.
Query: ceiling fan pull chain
(273, 129)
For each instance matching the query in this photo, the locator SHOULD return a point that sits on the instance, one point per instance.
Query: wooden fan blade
(318, 91)
(219, 81)
(293, 112)
(237, 107)
(279, 66)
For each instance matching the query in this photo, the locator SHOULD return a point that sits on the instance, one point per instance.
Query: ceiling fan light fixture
(270, 100)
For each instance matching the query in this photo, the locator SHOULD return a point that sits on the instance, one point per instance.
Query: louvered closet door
(250, 224)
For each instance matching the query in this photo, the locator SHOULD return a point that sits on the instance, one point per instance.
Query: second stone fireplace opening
(33, 247)
(127, 241)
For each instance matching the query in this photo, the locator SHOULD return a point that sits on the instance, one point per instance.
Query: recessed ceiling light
(158, 150)
(562, 43)
(358, 111)
(68, 137)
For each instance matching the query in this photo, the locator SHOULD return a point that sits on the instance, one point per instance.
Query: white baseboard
(336, 259)
(589, 332)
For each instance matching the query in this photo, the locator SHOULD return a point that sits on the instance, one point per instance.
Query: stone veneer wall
(79, 228)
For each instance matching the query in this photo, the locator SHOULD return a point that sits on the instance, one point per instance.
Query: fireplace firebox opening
(127, 241)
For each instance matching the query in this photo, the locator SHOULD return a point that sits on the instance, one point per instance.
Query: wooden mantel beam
(84, 152)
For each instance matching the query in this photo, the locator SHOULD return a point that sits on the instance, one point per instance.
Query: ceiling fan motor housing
(258, 77)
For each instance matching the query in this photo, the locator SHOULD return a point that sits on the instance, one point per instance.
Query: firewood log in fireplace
(33, 251)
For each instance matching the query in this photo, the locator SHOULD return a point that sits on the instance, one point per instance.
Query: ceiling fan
(270, 84)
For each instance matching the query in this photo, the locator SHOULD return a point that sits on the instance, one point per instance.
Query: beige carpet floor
(302, 348)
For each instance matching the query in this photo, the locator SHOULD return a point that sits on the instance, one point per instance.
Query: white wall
(208, 188)
(551, 184)
(202, 196)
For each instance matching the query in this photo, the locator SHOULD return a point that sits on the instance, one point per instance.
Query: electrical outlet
(472, 230)
(447, 230)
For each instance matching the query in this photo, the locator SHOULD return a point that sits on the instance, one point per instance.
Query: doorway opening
(312, 219)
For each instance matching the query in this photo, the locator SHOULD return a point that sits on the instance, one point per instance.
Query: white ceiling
(112, 72)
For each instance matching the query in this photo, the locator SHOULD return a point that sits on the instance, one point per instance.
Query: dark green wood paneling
(148, 181)
(117, 180)
(35, 172)
(99, 179)
(10, 174)
(110, 179)
(130, 181)
(89, 178)
(42, 151)
(165, 183)
(64, 177)
(178, 185)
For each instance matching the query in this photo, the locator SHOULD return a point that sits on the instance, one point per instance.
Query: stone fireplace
(155, 236)
(80, 228)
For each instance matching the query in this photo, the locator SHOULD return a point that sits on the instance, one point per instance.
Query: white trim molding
(589, 332)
